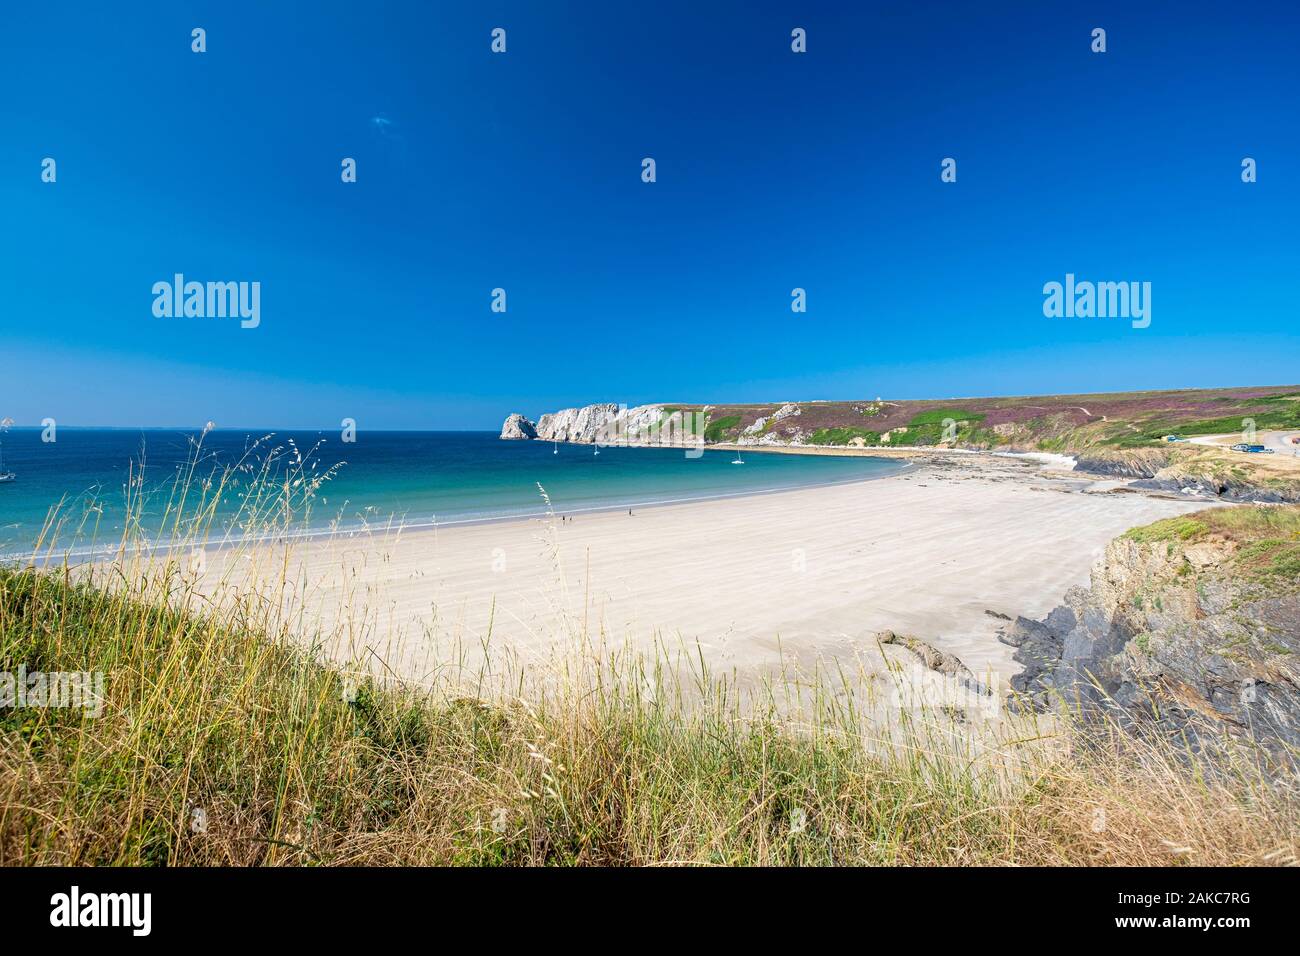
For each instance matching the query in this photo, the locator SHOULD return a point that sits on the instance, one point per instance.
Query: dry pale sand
(800, 576)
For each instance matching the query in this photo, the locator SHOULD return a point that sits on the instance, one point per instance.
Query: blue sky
(522, 171)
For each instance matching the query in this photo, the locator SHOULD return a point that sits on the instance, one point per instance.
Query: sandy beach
(757, 583)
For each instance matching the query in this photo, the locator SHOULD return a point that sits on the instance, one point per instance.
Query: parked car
(1241, 446)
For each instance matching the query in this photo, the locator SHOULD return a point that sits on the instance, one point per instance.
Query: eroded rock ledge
(1190, 626)
(1159, 470)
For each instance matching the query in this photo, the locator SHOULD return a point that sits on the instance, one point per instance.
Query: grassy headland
(1122, 433)
(1057, 423)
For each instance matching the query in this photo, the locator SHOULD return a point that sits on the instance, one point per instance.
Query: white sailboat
(597, 447)
(5, 475)
(556, 449)
(739, 460)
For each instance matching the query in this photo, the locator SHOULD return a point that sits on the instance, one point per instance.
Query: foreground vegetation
(225, 740)
(223, 745)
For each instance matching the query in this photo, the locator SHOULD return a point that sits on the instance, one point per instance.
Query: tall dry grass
(227, 738)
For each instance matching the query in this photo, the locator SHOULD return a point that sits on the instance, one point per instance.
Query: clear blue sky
(522, 170)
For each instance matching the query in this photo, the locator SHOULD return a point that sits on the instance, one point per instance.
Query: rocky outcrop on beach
(1189, 627)
(1129, 465)
(517, 428)
(941, 662)
(1222, 488)
(1161, 469)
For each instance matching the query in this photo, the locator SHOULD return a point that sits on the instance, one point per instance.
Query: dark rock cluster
(1162, 642)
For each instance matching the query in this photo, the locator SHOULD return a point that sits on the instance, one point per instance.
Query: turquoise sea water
(419, 477)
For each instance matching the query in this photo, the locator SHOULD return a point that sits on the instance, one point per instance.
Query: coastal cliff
(576, 424)
(604, 423)
(1190, 626)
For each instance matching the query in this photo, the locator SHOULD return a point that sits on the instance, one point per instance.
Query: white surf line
(1045, 458)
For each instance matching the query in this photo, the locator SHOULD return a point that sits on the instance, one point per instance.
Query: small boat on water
(5, 476)
(739, 460)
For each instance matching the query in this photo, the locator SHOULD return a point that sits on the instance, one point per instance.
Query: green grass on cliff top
(937, 416)
(1267, 537)
(721, 429)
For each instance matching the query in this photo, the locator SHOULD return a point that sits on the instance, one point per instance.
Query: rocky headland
(1190, 626)
(607, 423)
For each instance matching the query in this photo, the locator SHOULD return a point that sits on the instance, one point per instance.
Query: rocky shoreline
(1180, 632)
(1152, 470)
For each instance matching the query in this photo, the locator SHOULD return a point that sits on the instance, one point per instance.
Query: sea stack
(518, 428)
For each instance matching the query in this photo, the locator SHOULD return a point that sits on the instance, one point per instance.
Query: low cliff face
(1190, 625)
(1195, 471)
(1130, 463)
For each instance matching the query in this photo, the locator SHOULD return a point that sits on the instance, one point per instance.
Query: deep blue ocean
(418, 477)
